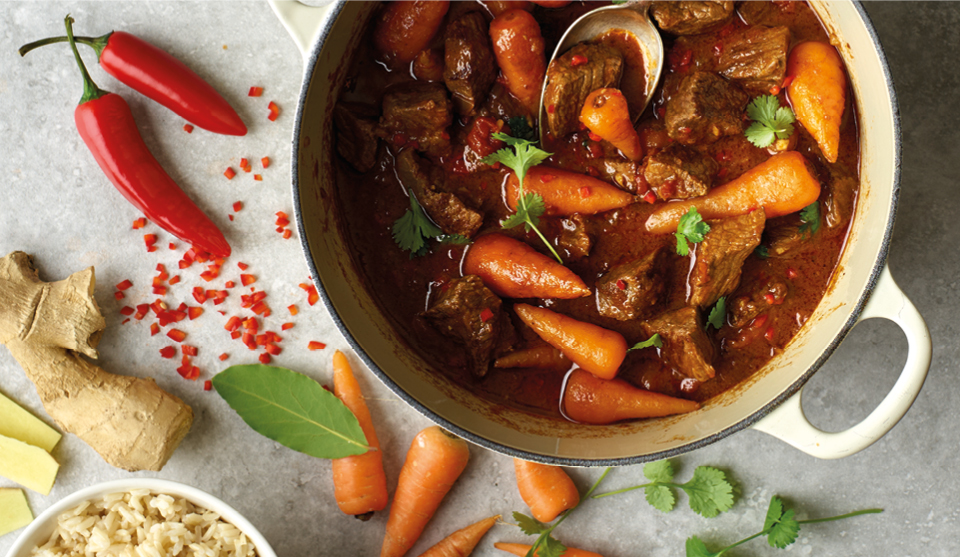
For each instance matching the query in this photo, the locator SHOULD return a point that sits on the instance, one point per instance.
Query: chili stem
(96, 43)
(90, 89)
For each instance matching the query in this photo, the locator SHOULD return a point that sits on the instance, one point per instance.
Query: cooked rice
(140, 524)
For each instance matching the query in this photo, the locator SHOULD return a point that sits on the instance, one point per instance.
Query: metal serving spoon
(632, 17)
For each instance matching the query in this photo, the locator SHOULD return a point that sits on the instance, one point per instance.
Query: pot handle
(303, 22)
(788, 423)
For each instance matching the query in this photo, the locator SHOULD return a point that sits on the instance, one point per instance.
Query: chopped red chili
(264, 358)
(314, 345)
(177, 335)
(770, 334)
(255, 92)
(174, 280)
(273, 349)
(237, 206)
(224, 356)
(578, 60)
(235, 335)
(149, 239)
(125, 284)
(265, 162)
(207, 385)
(118, 295)
(286, 326)
(293, 309)
(787, 81)
(775, 90)
(194, 312)
(188, 128)
(486, 315)
(139, 223)
(258, 177)
(229, 173)
(260, 308)
(551, 109)
(247, 280)
(233, 324)
(168, 352)
(244, 163)
(126, 310)
(594, 137)
(188, 350)
(650, 197)
(769, 298)
(621, 284)
(154, 329)
(791, 273)
(287, 234)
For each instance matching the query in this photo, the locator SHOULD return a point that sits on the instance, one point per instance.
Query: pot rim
(310, 65)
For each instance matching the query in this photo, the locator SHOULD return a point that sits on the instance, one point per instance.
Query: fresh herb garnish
(521, 129)
(655, 340)
(520, 157)
(780, 527)
(292, 409)
(762, 251)
(456, 239)
(771, 121)
(414, 228)
(810, 217)
(718, 314)
(691, 228)
(708, 491)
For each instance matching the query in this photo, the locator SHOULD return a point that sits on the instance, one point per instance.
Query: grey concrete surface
(57, 205)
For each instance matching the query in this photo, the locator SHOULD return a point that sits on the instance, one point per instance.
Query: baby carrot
(590, 400)
(519, 49)
(435, 460)
(818, 92)
(461, 542)
(595, 349)
(782, 184)
(359, 485)
(565, 193)
(547, 490)
(520, 550)
(406, 27)
(497, 7)
(513, 269)
(605, 113)
(542, 357)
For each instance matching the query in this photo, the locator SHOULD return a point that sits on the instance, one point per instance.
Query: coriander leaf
(292, 409)
(696, 548)
(652, 341)
(763, 108)
(762, 252)
(549, 547)
(659, 471)
(660, 497)
(530, 526)
(534, 207)
(718, 315)
(810, 216)
(456, 239)
(521, 129)
(760, 134)
(781, 527)
(771, 121)
(513, 221)
(690, 228)
(709, 491)
(414, 228)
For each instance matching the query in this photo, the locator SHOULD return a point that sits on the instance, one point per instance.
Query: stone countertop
(57, 205)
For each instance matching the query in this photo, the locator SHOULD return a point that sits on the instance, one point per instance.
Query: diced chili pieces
(235, 335)
(265, 162)
(139, 223)
(486, 315)
(224, 356)
(207, 385)
(126, 310)
(282, 219)
(188, 128)
(160, 290)
(293, 309)
(258, 177)
(168, 352)
(312, 295)
(154, 329)
(174, 280)
(244, 163)
(194, 312)
(264, 358)
(791, 273)
(287, 234)
(286, 326)
(229, 173)
(314, 345)
(247, 280)
(208, 275)
(188, 350)
(273, 349)
(199, 295)
(118, 295)
(176, 335)
(255, 91)
(149, 239)
(233, 324)
(243, 266)
(125, 284)
(260, 308)
(142, 311)
(621, 284)
(578, 60)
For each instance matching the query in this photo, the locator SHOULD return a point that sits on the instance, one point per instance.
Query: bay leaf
(292, 409)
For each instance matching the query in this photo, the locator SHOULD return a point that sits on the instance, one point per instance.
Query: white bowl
(39, 531)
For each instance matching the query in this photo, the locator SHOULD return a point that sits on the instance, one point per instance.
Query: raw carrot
(543, 357)
(818, 92)
(497, 7)
(519, 48)
(782, 184)
(461, 542)
(435, 460)
(513, 269)
(547, 490)
(565, 193)
(359, 485)
(590, 400)
(407, 27)
(605, 113)
(595, 349)
(520, 550)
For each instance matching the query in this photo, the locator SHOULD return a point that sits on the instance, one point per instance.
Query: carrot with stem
(595, 349)
(591, 400)
(818, 93)
(521, 550)
(513, 269)
(434, 462)
(547, 490)
(606, 114)
(359, 484)
(461, 542)
(565, 193)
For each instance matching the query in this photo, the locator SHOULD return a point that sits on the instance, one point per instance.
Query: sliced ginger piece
(14, 511)
(18, 423)
(29, 466)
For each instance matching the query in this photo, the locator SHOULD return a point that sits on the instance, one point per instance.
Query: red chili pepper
(139, 223)
(237, 206)
(126, 310)
(255, 92)
(258, 177)
(188, 350)
(118, 295)
(247, 280)
(314, 345)
(168, 352)
(158, 75)
(208, 384)
(293, 309)
(578, 60)
(265, 162)
(177, 335)
(106, 125)
(264, 358)
(286, 326)
(229, 173)
(621, 284)
(123, 285)
(224, 356)
(188, 128)
(194, 313)
(287, 234)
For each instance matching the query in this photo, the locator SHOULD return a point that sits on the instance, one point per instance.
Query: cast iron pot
(862, 288)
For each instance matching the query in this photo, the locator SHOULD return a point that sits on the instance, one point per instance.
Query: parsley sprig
(718, 314)
(771, 121)
(708, 491)
(780, 527)
(414, 228)
(655, 340)
(690, 230)
(810, 217)
(521, 156)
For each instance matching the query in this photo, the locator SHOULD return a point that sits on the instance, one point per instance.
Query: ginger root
(131, 422)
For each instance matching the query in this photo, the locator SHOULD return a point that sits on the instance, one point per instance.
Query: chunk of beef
(679, 172)
(756, 58)
(620, 172)
(686, 346)
(469, 65)
(446, 209)
(428, 65)
(720, 256)
(745, 307)
(468, 312)
(705, 108)
(357, 140)
(574, 236)
(500, 104)
(756, 11)
(571, 77)
(630, 289)
(421, 112)
(692, 18)
(784, 238)
(837, 208)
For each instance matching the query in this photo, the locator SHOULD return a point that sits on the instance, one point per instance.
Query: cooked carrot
(522, 549)
(565, 193)
(461, 542)
(435, 460)
(590, 400)
(543, 357)
(359, 485)
(547, 490)
(513, 269)
(595, 349)
(782, 184)
(407, 27)
(818, 92)
(497, 7)
(519, 48)
(605, 113)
